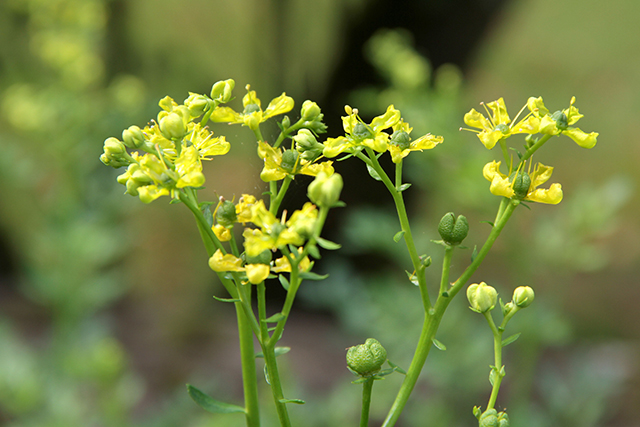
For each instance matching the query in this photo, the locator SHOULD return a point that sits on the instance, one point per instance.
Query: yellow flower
(277, 164)
(282, 265)
(358, 133)
(253, 115)
(272, 234)
(189, 168)
(401, 144)
(522, 185)
(561, 122)
(256, 273)
(243, 208)
(222, 233)
(497, 127)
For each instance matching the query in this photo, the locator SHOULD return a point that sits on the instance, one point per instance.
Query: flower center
(251, 108)
(401, 139)
(502, 128)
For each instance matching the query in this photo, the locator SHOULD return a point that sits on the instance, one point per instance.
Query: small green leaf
(327, 244)
(278, 351)
(398, 236)
(396, 367)
(439, 345)
(209, 404)
(296, 401)
(474, 254)
(439, 242)
(339, 204)
(404, 187)
(512, 338)
(226, 299)
(284, 282)
(487, 222)
(275, 318)
(208, 216)
(314, 252)
(373, 173)
(309, 275)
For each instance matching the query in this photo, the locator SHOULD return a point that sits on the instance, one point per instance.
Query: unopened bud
(325, 190)
(196, 104)
(503, 419)
(489, 418)
(482, 297)
(221, 91)
(290, 160)
(133, 137)
(310, 111)
(113, 147)
(523, 296)
(453, 230)
(366, 359)
(173, 126)
(401, 139)
(307, 145)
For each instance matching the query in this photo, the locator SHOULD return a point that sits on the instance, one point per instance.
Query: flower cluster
(174, 146)
(359, 134)
(497, 126)
(269, 235)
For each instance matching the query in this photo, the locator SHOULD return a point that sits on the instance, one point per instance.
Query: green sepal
(174, 201)
(373, 173)
(512, 338)
(439, 345)
(441, 243)
(296, 401)
(404, 186)
(284, 282)
(309, 275)
(477, 412)
(226, 299)
(278, 351)
(398, 236)
(339, 204)
(327, 244)
(396, 367)
(208, 215)
(275, 318)
(212, 405)
(487, 222)
(313, 251)
(359, 380)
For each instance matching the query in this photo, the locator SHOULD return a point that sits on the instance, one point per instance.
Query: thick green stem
(367, 386)
(534, 148)
(434, 316)
(249, 375)
(275, 202)
(497, 368)
(446, 267)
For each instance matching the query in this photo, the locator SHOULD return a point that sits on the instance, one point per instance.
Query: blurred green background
(105, 304)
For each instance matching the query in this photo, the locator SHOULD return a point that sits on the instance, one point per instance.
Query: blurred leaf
(210, 404)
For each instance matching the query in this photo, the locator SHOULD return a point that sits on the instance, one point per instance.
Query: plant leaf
(284, 282)
(327, 244)
(275, 318)
(398, 236)
(512, 338)
(226, 299)
(404, 186)
(210, 404)
(296, 401)
(373, 173)
(309, 275)
(439, 345)
(278, 351)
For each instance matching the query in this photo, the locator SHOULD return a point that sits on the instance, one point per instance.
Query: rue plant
(253, 245)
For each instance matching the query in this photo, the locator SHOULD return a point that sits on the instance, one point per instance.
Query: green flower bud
(453, 230)
(489, 418)
(309, 111)
(286, 122)
(562, 122)
(307, 145)
(425, 260)
(482, 297)
(317, 126)
(401, 139)
(226, 214)
(173, 126)
(196, 104)
(290, 160)
(325, 190)
(221, 91)
(523, 296)
(521, 184)
(503, 419)
(113, 147)
(133, 137)
(366, 359)
(263, 258)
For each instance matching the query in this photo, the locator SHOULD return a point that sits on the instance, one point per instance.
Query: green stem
(249, 375)
(534, 148)
(294, 127)
(372, 161)
(433, 318)
(275, 204)
(497, 368)
(446, 267)
(367, 386)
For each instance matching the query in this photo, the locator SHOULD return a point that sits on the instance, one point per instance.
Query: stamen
(520, 112)
(493, 124)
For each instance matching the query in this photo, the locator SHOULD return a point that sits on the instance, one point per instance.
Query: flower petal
(257, 273)
(280, 105)
(552, 195)
(220, 263)
(583, 139)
